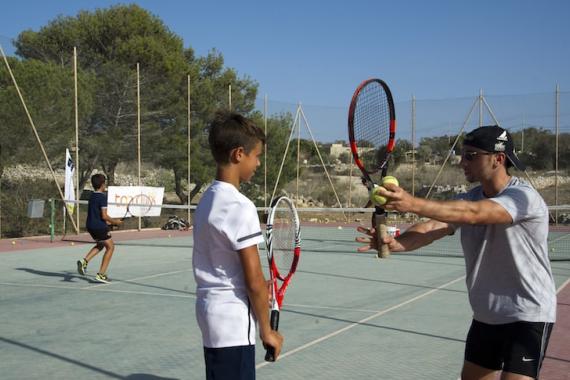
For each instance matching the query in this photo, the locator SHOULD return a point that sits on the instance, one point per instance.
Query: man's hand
(372, 243)
(397, 198)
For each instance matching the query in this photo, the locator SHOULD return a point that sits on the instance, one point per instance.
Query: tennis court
(346, 315)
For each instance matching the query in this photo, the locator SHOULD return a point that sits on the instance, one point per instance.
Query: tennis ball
(13, 242)
(389, 179)
(376, 198)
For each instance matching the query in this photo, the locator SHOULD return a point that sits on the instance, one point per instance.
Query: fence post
(51, 220)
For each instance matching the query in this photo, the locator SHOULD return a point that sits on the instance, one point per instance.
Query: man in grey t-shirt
(504, 230)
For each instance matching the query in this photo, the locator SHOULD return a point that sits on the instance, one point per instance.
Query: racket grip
(381, 233)
(274, 321)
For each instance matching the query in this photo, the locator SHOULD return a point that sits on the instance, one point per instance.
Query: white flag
(69, 190)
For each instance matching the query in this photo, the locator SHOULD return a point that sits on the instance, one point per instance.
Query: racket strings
(140, 205)
(283, 241)
(372, 125)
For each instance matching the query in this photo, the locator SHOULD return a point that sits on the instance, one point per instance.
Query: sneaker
(102, 278)
(82, 267)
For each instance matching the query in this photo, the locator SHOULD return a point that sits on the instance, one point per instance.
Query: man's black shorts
(517, 347)
(99, 235)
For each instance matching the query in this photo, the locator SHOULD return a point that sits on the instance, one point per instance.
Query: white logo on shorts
(524, 359)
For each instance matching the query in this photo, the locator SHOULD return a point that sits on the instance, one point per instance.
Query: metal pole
(76, 207)
(139, 131)
(189, 151)
(413, 145)
(52, 220)
(480, 107)
(557, 122)
(230, 97)
(265, 152)
(1, 173)
(298, 152)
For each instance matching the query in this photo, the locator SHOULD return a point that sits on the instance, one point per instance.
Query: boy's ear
(237, 154)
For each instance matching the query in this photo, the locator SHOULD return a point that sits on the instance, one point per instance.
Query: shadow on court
(69, 277)
(376, 326)
(101, 371)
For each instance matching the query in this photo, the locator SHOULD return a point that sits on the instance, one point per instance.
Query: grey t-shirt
(509, 277)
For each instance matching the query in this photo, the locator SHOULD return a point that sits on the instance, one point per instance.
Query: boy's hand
(272, 339)
(372, 243)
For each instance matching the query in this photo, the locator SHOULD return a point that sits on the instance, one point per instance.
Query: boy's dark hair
(97, 180)
(230, 130)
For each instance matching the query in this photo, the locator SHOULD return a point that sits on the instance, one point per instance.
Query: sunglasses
(470, 156)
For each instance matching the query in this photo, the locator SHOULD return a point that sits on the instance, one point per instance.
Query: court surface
(346, 315)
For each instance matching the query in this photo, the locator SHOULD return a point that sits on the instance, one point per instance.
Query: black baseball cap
(492, 138)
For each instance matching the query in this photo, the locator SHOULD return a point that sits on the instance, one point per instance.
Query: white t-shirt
(225, 222)
(509, 277)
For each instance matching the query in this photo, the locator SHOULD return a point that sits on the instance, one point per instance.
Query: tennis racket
(138, 206)
(283, 233)
(371, 133)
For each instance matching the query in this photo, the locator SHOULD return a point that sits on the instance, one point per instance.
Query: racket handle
(381, 233)
(274, 321)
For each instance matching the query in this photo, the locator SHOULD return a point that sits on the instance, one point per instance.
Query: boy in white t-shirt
(231, 289)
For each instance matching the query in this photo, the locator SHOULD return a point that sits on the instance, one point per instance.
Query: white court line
(562, 286)
(135, 279)
(327, 307)
(382, 312)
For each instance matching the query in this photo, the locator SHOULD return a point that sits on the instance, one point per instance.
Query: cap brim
(516, 162)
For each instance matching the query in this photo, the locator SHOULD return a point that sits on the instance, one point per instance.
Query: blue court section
(347, 315)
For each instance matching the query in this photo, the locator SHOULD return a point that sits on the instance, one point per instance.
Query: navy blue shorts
(230, 363)
(517, 347)
(99, 235)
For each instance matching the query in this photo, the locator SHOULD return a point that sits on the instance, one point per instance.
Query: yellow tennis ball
(376, 198)
(13, 242)
(389, 179)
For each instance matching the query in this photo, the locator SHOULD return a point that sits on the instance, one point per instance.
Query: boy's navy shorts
(99, 235)
(235, 363)
(517, 347)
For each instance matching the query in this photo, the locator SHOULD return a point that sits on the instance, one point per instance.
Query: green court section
(346, 315)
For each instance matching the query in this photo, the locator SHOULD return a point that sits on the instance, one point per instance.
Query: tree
(47, 90)
(110, 42)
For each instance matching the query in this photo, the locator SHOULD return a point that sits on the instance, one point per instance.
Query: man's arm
(258, 296)
(417, 236)
(455, 211)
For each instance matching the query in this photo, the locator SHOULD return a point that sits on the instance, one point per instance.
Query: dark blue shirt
(97, 201)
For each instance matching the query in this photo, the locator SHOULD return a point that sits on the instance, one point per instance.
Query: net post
(51, 220)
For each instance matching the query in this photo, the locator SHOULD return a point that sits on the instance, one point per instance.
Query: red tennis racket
(371, 133)
(283, 233)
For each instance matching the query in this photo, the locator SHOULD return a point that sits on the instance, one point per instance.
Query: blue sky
(317, 52)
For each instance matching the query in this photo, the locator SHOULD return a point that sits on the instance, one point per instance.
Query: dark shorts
(517, 347)
(99, 235)
(231, 363)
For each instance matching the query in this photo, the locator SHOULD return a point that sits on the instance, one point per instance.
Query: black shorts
(236, 363)
(99, 235)
(517, 347)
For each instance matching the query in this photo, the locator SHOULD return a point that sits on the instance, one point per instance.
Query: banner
(69, 189)
(119, 196)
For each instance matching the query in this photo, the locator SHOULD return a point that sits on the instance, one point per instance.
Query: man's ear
(502, 159)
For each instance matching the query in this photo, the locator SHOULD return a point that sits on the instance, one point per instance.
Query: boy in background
(231, 289)
(98, 227)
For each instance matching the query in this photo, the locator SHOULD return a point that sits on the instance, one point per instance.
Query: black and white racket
(372, 133)
(283, 233)
(138, 206)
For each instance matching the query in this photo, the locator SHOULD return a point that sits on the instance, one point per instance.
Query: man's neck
(495, 184)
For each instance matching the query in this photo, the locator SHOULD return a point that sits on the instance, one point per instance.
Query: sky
(317, 52)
